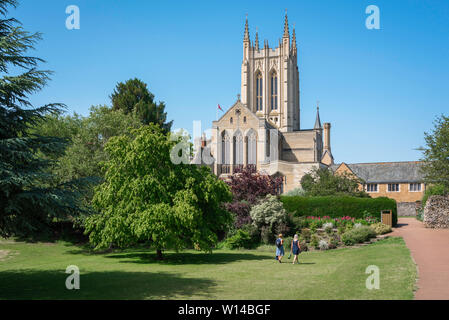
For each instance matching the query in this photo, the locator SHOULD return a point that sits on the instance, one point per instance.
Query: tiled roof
(387, 172)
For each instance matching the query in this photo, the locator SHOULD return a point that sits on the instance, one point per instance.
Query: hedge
(339, 206)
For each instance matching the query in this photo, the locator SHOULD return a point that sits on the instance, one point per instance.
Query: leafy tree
(29, 195)
(147, 198)
(134, 96)
(436, 154)
(323, 182)
(248, 186)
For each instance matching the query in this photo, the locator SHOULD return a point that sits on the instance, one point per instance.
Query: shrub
(358, 235)
(306, 234)
(295, 192)
(268, 212)
(339, 206)
(328, 226)
(333, 242)
(303, 245)
(314, 241)
(323, 245)
(297, 222)
(241, 239)
(287, 243)
(253, 232)
(380, 228)
(357, 225)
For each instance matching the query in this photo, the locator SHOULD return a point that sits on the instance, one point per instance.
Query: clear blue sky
(380, 89)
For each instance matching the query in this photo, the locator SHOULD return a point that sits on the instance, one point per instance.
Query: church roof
(387, 172)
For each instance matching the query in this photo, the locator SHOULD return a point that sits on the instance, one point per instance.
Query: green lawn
(37, 271)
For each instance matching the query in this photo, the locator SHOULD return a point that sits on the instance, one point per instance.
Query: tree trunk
(159, 254)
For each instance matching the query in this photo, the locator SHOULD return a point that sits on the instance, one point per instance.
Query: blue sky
(380, 89)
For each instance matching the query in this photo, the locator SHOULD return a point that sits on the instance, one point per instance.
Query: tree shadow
(183, 258)
(400, 225)
(45, 284)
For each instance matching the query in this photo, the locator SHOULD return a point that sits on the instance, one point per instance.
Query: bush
(314, 241)
(380, 228)
(339, 206)
(268, 212)
(306, 234)
(333, 242)
(328, 227)
(358, 235)
(241, 239)
(295, 192)
(323, 245)
(253, 232)
(287, 243)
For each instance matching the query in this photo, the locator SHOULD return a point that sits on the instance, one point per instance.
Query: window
(274, 91)
(415, 187)
(252, 148)
(259, 92)
(393, 187)
(244, 119)
(371, 187)
(231, 120)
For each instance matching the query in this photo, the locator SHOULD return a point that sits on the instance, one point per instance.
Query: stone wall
(406, 209)
(436, 212)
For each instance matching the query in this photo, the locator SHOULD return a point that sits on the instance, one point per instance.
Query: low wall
(436, 212)
(406, 209)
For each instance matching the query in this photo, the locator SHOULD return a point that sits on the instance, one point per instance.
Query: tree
(147, 198)
(323, 182)
(248, 186)
(29, 195)
(134, 96)
(436, 154)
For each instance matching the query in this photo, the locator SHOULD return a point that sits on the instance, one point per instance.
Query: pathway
(430, 250)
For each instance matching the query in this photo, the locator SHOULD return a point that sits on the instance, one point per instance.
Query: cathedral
(262, 128)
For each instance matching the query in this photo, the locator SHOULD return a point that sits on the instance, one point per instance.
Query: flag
(220, 108)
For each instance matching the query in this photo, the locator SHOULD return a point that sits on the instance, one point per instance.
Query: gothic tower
(270, 80)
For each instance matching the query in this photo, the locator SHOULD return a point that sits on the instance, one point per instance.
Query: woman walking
(295, 248)
(279, 248)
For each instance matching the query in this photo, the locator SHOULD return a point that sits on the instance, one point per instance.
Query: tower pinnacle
(256, 42)
(246, 35)
(286, 32)
(317, 121)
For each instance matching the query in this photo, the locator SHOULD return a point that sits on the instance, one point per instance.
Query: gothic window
(238, 148)
(259, 92)
(225, 148)
(251, 146)
(274, 91)
(231, 120)
(244, 119)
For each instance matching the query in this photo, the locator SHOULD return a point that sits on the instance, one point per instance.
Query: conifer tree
(30, 200)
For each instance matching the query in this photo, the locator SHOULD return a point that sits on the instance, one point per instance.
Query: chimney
(327, 136)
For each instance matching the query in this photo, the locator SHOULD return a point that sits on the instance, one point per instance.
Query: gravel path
(430, 250)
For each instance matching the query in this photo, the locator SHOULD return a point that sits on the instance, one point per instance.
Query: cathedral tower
(270, 80)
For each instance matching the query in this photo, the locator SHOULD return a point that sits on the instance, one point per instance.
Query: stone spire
(246, 35)
(286, 32)
(294, 39)
(317, 121)
(256, 42)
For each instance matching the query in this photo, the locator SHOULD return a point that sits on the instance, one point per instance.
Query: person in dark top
(295, 248)
(279, 248)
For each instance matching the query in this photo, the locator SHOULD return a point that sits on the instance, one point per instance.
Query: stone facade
(379, 177)
(262, 128)
(436, 212)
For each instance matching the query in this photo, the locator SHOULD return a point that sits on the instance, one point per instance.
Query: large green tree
(29, 195)
(134, 96)
(323, 182)
(436, 154)
(147, 197)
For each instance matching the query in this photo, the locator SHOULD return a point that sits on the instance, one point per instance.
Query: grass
(37, 271)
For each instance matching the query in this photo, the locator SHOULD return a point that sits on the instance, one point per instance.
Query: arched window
(274, 91)
(259, 92)
(252, 148)
(225, 148)
(238, 148)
